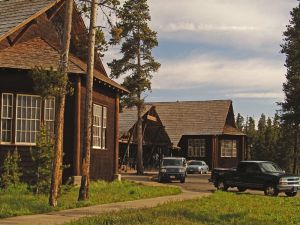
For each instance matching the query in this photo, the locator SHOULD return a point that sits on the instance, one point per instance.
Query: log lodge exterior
(203, 130)
(30, 32)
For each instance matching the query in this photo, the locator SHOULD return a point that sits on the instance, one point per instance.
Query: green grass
(19, 201)
(219, 209)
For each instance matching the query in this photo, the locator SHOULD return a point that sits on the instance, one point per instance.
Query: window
(6, 118)
(99, 126)
(196, 147)
(228, 148)
(28, 117)
(27, 112)
(49, 115)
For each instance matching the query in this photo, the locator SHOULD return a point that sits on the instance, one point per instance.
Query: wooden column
(77, 93)
(117, 124)
(244, 153)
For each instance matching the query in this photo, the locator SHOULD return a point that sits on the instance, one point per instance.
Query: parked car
(197, 166)
(258, 175)
(172, 168)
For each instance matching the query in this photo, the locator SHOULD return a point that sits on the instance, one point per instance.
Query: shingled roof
(15, 13)
(188, 118)
(38, 52)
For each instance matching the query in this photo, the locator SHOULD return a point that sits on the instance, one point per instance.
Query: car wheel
(271, 191)
(159, 179)
(221, 185)
(241, 189)
(291, 194)
(182, 180)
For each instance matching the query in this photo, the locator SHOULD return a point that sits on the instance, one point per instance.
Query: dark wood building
(203, 130)
(30, 36)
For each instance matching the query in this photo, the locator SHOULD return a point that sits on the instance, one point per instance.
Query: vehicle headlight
(181, 170)
(163, 170)
(283, 181)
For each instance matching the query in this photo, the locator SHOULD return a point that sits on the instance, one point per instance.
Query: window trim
(40, 117)
(231, 155)
(202, 149)
(54, 112)
(103, 143)
(1, 117)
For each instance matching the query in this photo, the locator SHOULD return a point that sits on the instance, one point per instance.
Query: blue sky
(220, 49)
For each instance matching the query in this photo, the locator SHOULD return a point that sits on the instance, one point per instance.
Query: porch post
(76, 158)
(117, 124)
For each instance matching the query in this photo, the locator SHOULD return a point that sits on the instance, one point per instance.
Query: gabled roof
(188, 118)
(15, 13)
(38, 52)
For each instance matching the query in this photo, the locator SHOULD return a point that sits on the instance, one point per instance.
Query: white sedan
(196, 166)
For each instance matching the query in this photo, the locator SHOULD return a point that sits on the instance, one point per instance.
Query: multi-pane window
(196, 147)
(228, 148)
(28, 117)
(99, 126)
(49, 115)
(6, 118)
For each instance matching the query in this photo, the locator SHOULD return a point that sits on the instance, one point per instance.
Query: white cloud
(237, 76)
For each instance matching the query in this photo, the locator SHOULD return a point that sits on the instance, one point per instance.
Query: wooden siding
(102, 161)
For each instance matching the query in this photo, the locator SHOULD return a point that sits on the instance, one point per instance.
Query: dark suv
(172, 169)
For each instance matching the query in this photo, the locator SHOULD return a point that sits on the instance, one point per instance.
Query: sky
(219, 49)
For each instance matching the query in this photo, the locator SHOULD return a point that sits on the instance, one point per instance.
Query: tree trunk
(59, 124)
(296, 150)
(140, 166)
(85, 179)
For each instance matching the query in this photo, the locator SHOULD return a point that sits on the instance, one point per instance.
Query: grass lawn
(19, 201)
(221, 208)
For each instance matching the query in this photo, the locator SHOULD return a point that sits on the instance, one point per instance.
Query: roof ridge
(192, 101)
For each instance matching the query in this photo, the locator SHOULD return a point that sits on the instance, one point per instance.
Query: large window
(99, 126)
(21, 117)
(6, 118)
(28, 118)
(196, 147)
(228, 148)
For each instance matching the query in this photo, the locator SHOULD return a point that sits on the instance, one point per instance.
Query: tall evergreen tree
(85, 179)
(240, 122)
(290, 108)
(59, 124)
(137, 61)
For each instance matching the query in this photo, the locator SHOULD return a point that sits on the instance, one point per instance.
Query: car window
(195, 163)
(252, 168)
(271, 167)
(172, 162)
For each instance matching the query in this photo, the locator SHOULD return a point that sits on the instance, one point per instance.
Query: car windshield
(172, 162)
(196, 163)
(271, 167)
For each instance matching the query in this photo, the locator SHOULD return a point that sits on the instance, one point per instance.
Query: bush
(11, 170)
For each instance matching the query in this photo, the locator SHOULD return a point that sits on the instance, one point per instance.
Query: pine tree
(251, 134)
(240, 122)
(42, 157)
(11, 171)
(59, 119)
(290, 108)
(137, 61)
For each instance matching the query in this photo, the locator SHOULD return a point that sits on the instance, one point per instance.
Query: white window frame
(99, 127)
(228, 148)
(49, 122)
(196, 147)
(37, 119)
(7, 118)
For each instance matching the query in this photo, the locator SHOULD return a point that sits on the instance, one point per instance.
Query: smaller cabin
(202, 130)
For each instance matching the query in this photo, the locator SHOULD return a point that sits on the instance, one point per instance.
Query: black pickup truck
(256, 175)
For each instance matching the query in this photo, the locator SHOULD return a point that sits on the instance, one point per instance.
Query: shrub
(11, 170)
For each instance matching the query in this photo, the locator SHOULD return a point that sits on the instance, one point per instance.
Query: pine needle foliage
(11, 171)
(42, 156)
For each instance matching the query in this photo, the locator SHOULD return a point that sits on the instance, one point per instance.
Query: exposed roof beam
(22, 32)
